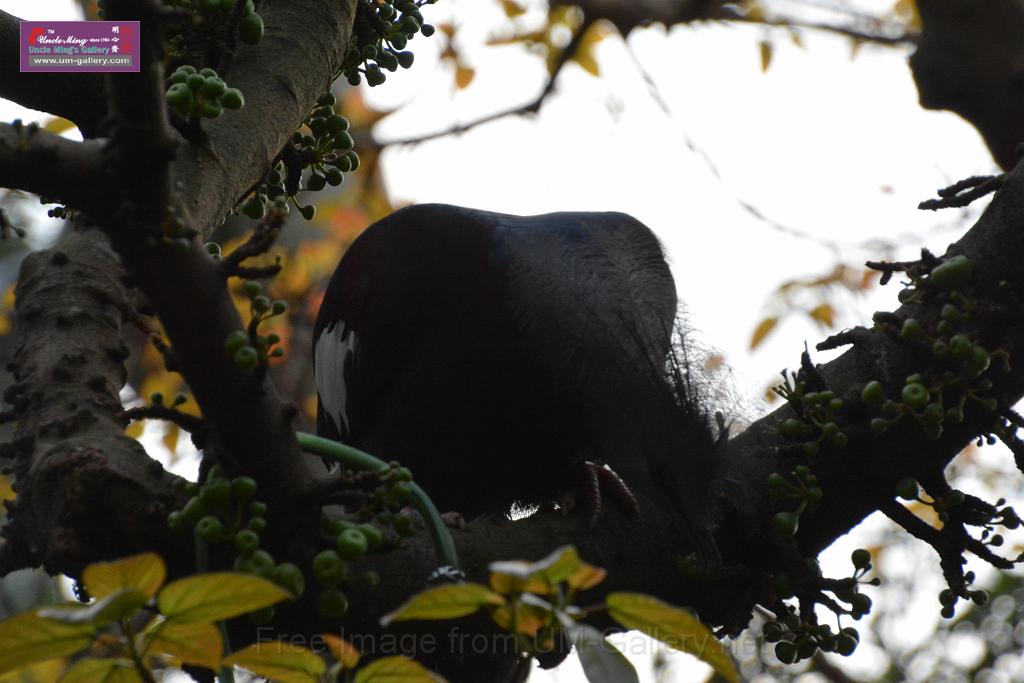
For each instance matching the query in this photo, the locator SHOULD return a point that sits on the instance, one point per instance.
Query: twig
(531, 107)
(904, 38)
(850, 337)
(963, 192)
(190, 423)
(261, 239)
(887, 268)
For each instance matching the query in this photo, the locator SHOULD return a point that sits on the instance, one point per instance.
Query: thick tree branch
(282, 78)
(55, 168)
(85, 490)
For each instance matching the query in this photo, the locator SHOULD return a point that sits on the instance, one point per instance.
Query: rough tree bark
(86, 492)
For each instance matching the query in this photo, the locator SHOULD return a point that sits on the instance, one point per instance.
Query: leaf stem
(353, 457)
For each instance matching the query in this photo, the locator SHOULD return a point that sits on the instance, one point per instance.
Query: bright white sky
(822, 143)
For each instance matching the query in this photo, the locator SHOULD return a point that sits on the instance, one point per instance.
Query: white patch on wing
(333, 350)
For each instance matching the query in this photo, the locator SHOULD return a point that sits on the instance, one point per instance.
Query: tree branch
(531, 107)
(55, 168)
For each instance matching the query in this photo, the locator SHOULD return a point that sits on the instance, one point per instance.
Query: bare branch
(531, 107)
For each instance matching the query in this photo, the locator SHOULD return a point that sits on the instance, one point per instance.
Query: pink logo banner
(48, 46)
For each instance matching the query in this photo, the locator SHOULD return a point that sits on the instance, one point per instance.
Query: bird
(494, 355)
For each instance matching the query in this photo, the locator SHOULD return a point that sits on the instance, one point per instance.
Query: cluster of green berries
(818, 410)
(951, 275)
(948, 598)
(379, 37)
(360, 533)
(796, 640)
(909, 489)
(331, 567)
(224, 511)
(323, 145)
(803, 489)
(849, 589)
(922, 398)
(252, 350)
(201, 94)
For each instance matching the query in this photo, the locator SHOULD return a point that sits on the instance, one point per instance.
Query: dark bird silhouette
(494, 354)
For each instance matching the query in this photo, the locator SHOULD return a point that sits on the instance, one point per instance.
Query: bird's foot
(591, 480)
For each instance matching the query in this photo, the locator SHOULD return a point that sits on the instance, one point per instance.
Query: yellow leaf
(57, 125)
(144, 572)
(121, 604)
(198, 644)
(342, 650)
(855, 45)
(762, 330)
(535, 577)
(463, 76)
(444, 602)
(528, 619)
(217, 596)
(907, 11)
(171, 437)
(44, 672)
(279, 661)
(587, 576)
(512, 9)
(766, 54)
(584, 55)
(396, 670)
(135, 429)
(824, 315)
(675, 627)
(102, 671)
(514, 576)
(6, 492)
(530, 37)
(797, 38)
(28, 638)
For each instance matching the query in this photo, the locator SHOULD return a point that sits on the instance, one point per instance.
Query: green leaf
(108, 609)
(29, 638)
(198, 644)
(602, 662)
(144, 573)
(102, 671)
(676, 628)
(217, 596)
(280, 662)
(444, 602)
(396, 670)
